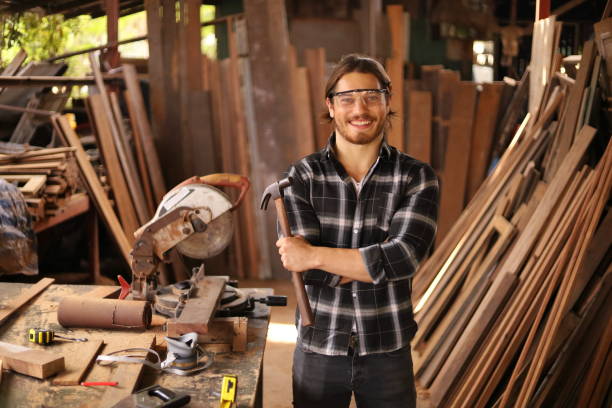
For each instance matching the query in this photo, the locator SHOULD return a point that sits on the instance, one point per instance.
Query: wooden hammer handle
(296, 277)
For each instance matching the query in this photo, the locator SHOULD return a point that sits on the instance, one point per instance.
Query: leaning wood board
(508, 272)
(485, 120)
(95, 188)
(23, 298)
(419, 125)
(454, 176)
(123, 199)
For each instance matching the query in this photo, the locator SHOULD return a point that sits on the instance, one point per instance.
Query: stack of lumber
(513, 306)
(45, 177)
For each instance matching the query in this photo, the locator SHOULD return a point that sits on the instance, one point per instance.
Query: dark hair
(357, 63)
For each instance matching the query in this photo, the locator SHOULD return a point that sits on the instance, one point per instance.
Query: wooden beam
(44, 81)
(564, 8)
(14, 304)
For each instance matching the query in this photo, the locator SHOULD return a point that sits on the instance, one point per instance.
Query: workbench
(17, 390)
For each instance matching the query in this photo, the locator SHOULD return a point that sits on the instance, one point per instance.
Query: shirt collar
(329, 152)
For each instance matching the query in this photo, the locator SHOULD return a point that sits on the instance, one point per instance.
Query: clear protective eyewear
(370, 97)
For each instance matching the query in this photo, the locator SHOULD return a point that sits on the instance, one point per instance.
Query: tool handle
(221, 180)
(296, 277)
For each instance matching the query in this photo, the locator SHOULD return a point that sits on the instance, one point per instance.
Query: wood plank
(77, 359)
(553, 193)
(509, 333)
(541, 59)
(508, 271)
(135, 189)
(572, 109)
(395, 69)
(33, 362)
(267, 82)
(246, 212)
(598, 197)
(454, 176)
(485, 121)
(121, 192)
(126, 375)
(148, 210)
(304, 129)
(15, 64)
(95, 189)
(75, 205)
(144, 131)
(145, 177)
(14, 304)
(199, 309)
(314, 59)
(419, 125)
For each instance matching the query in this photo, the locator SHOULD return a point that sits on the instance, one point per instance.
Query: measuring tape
(228, 391)
(40, 336)
(45, 336)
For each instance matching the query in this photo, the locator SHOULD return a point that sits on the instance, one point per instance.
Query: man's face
(359, 118)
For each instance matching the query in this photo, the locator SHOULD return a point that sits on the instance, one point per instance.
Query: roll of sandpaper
(80, 311)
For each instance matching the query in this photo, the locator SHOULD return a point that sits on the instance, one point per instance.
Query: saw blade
(213, 241)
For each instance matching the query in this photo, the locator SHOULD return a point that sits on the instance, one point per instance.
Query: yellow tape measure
(40, 336)
(45, 336)
(228, 391)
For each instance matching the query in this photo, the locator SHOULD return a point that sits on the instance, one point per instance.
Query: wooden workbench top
(17, 390)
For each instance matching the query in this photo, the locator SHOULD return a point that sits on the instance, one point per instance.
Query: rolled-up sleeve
(304, 221)
(411, 231)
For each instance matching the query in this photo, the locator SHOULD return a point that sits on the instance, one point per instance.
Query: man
(364, 215)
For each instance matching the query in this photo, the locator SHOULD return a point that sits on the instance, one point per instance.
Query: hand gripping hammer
(275, 192)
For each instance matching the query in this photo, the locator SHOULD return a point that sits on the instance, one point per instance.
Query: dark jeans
(382, 380)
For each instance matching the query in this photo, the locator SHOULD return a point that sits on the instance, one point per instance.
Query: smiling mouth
(361, 123)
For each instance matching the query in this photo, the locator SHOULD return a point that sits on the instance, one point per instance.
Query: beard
(356, 136)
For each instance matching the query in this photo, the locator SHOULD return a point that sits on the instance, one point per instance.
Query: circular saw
(195, 217)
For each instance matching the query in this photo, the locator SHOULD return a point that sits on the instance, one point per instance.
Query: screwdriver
(45, 336)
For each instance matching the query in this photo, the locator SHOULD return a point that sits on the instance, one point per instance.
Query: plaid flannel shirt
(393, 223)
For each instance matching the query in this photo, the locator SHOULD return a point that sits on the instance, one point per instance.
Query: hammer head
(274, 191)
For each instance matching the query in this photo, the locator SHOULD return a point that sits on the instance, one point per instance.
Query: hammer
(275, 191)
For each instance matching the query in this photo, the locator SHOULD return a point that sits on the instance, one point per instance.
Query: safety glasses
(370, 97)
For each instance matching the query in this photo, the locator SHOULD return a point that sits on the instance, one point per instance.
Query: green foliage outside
(43, 37)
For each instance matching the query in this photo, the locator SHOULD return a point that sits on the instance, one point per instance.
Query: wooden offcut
(199, 309)
(33, 362)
